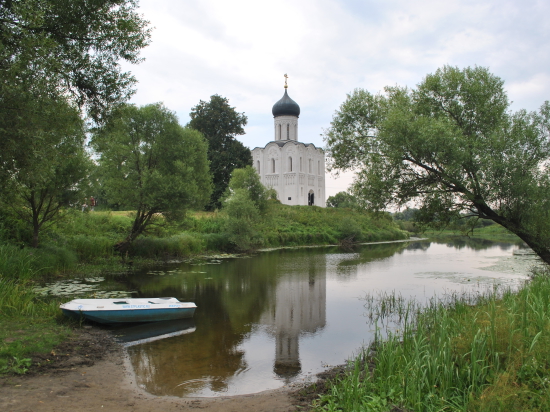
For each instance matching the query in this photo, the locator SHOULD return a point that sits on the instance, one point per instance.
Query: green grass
(28, 325)
(80, 241)
(16, 263)
(475, 353)
(492, 232)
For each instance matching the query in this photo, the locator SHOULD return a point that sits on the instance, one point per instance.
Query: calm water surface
(283, 316)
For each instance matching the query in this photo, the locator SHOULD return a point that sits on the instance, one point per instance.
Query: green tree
(342, 199)
(249, 180)
(452, 145)
(152, 164)
(53, 170)
(220, 124)
(407, 215)
(52, 51)
(243, 219)
(62, 47)
(73, 46)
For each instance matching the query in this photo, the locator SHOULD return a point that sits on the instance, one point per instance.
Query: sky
(241, 49)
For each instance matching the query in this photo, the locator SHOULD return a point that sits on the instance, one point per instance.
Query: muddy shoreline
(88, 372)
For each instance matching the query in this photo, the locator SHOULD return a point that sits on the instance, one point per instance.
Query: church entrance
(311, 198)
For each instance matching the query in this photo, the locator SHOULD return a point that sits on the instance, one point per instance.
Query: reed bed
(16, 263)
(18, 299)
(482, 352)
(28, 325)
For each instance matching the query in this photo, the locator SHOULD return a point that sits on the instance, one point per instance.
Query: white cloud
(241, 49)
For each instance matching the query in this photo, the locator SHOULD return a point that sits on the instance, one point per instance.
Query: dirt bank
(87, 373)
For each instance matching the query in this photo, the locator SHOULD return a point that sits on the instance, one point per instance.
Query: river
(282, 316)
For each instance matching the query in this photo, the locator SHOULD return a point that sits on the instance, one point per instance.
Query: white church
(294, 169)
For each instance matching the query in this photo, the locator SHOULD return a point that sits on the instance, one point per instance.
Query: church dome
(286, 107)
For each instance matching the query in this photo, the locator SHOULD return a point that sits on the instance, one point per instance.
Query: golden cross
(286, 78)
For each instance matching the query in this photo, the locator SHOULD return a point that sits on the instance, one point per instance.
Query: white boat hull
(128, 310)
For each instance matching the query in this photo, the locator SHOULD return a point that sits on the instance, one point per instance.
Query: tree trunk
(35, 229)
(35, 232)
(537, 245)
(140, 223)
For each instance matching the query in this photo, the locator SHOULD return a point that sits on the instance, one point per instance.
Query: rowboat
(128, 310)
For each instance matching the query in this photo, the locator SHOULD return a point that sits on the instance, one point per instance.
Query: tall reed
(486, 352)
(18, 299)
(16, 263)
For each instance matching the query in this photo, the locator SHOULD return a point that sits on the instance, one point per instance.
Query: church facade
(294, 169)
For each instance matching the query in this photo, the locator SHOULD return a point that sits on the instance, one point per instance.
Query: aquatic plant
(481, 352)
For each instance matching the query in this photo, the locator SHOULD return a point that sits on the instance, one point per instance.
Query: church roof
(286, 107)
(282, 143)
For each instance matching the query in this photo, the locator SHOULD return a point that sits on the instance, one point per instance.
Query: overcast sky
(241, 49)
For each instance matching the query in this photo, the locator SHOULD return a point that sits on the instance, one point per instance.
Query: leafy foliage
(249, 180)
(72, 46)
(220, 124)
(152, 165)
(243, 218)
(56, 58)
(342, 199)
(50, 170)
(453, 146)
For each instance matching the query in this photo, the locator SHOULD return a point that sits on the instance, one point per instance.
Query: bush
(89, 248)
(349, 230)
(175, 246)
(54, 259)
(243, 218)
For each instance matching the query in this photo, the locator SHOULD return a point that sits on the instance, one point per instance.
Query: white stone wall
(293, 169)
(297, 308)
(286, 128)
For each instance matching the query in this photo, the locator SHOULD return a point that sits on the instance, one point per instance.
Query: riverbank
(88, 372)
(82, 245)
(244, 260)
(477, 353)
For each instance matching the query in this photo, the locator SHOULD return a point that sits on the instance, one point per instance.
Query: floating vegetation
(94, 280)
(171, 272)
(225, 256)
(518, 263)
(466, 278)
(80, 288)
(464, 353)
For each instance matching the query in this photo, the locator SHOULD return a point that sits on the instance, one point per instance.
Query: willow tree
(51, 172)
(452, 146)
(58, 58)
(152, 165)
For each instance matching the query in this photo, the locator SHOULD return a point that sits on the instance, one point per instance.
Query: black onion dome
(286, 107)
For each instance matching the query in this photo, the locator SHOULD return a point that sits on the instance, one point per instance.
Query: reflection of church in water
(297, 309)
(295, 170)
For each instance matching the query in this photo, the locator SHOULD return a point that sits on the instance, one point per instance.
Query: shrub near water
(181, 245)
(27, 323)
(15, 263)
(492, 356)
(302, 225)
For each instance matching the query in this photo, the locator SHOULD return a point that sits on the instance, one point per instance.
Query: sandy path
(106, 385)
